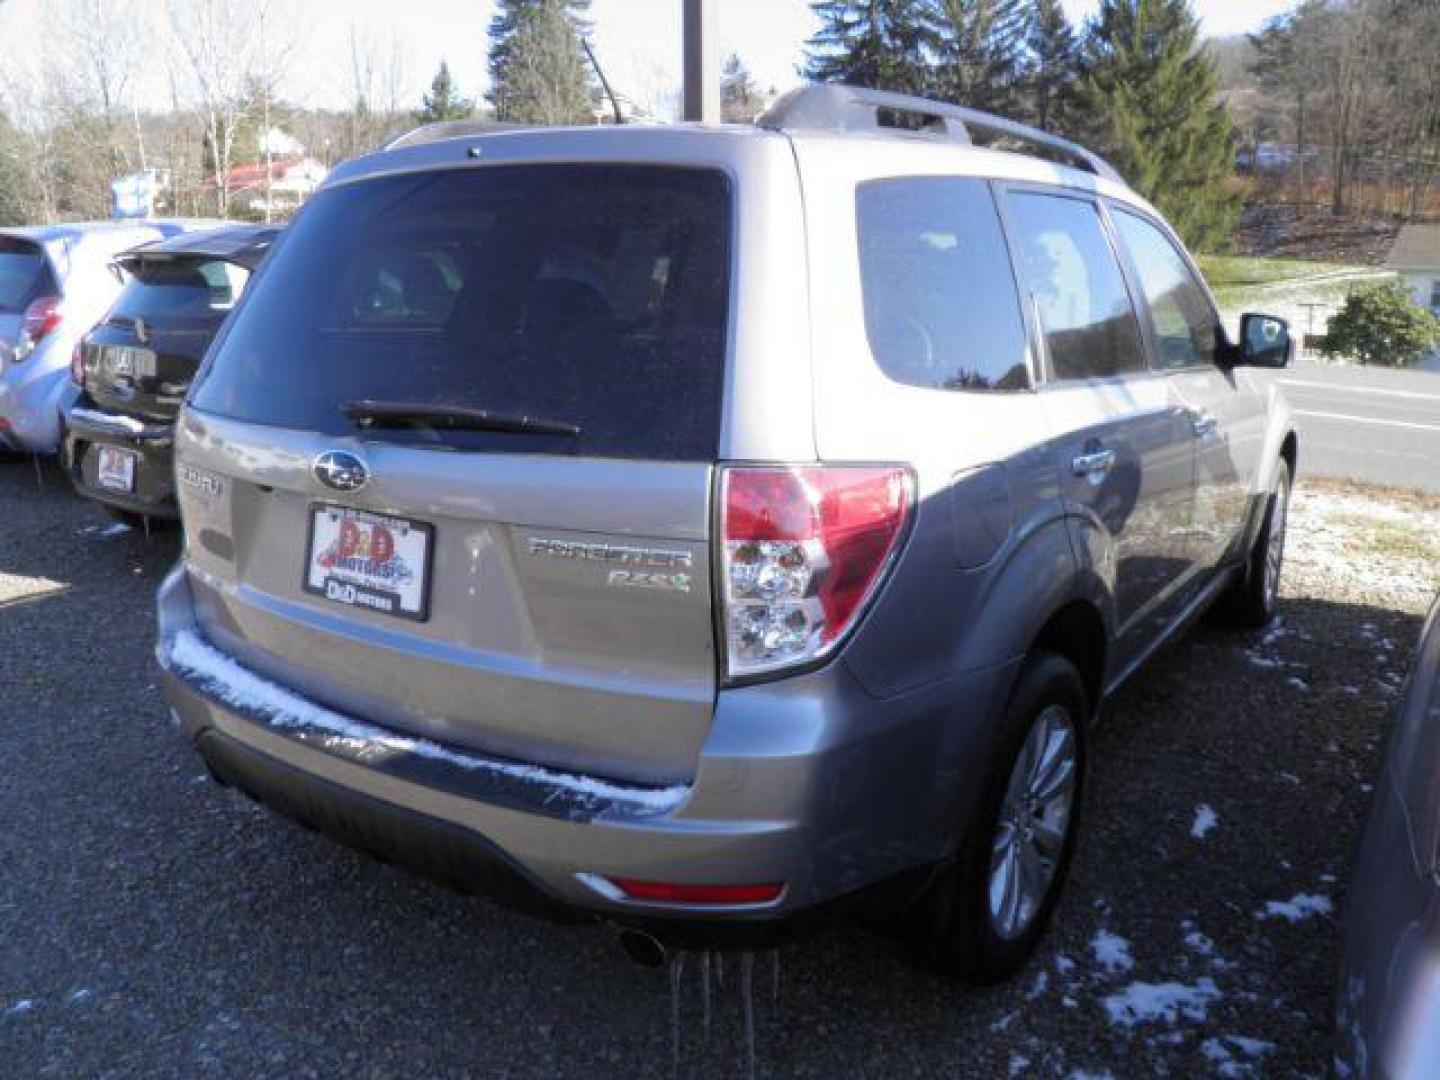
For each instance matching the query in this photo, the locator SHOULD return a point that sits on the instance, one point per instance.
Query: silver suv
(696, 528)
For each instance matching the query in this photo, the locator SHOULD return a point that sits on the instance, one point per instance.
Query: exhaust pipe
(645, 949)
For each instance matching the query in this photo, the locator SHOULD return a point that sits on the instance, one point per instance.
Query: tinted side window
(1184, 322)
(1071, 270)
(940, 304)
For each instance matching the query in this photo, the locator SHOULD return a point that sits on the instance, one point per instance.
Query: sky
(637, 41)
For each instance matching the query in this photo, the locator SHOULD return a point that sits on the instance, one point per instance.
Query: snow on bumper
(262, 701)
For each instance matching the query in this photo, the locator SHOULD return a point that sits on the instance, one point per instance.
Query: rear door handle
(1094, 463)
(1205, 425)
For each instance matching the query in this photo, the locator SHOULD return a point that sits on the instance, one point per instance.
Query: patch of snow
(1298, 684)
(1086, 1074)
(1039, 986)
(1263, 661)
(1063, 964)
(239, 687)
(1142, 1002)
(1221, 1056)
(1111, 951)
(1290, 776)
(1003, 1024)
(1298, 907)
(108, 420)
(1018, 1064)
(24, 1005)
(1205, 820)
(117, 529)
(1199, 943)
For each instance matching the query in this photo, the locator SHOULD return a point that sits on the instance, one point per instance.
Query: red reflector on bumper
(666, 893)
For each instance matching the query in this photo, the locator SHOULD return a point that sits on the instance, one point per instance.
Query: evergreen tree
(1381, 324)
(740, 98)
(538, 70)
(882, 44)
(977, 48)
(443, 102)
(1148, 96)
(1048, 82)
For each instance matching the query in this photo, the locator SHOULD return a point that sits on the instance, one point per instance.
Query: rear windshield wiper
(405, 414)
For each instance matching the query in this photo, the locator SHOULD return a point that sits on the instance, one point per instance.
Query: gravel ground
(153, 924)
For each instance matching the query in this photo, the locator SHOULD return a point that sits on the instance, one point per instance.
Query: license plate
(369, 561)
(116, 469)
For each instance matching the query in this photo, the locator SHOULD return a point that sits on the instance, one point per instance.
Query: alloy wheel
(1035, 820)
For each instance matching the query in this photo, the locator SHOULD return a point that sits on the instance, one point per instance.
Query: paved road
(1370, 424)
(155, 925)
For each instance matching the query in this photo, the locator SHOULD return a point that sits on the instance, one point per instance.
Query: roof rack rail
(834, 107)
(448, 129)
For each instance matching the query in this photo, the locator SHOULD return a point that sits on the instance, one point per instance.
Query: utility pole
(702, 62)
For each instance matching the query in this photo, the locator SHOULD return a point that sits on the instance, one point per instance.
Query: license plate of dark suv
(372, 561)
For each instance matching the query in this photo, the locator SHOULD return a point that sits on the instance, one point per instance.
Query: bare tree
(213, 43)
(378, 75)
(102, 43)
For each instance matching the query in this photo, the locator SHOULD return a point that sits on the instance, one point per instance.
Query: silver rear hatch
(448, 468)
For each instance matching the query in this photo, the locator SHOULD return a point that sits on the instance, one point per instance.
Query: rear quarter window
(941, 309)
(594, 295)
(25, 274)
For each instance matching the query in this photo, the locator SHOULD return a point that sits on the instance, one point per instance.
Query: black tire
(1251, 601)
(957, 933)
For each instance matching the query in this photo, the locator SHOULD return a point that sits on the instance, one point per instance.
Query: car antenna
(604, 82)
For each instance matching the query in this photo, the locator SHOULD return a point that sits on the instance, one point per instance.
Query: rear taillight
(42, 318)
(664, 892)
(804, 548)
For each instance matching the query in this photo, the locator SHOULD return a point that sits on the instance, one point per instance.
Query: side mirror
(1265, 342)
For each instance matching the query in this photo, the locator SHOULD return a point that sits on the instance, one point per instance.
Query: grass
(1390, 539)
(1239, 271)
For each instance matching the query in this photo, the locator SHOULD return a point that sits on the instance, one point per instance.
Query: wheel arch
(1077, 632)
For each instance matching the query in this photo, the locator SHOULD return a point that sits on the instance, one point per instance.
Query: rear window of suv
(24, 274)
(591, 295)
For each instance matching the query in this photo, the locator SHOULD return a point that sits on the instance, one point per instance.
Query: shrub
(1380, 324)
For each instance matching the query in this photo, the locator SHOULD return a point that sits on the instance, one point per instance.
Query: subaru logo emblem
(341, 470)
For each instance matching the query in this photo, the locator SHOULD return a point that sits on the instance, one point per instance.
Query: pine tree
(882, 44)
(1048, 81)
(1148, 98)
(740, 98)
(977, 47)
(443, 102)
(538, 70)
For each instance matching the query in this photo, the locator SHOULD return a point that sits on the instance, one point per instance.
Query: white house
(1416, 258)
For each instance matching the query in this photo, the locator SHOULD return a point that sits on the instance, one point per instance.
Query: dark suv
(135, 366)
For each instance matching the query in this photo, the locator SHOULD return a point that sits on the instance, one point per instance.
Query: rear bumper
(808, 782)
(88, 428)
(32, 393)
